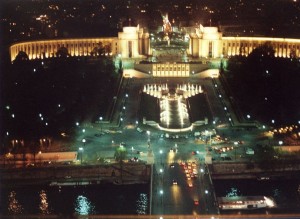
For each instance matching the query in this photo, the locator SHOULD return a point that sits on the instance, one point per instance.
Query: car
(172, 165)
(123, 144)
(139, 130)
(174, 182)
(188, 176)
(226, 158)
(30, 165)
(196, 202)
(190, 184)
(134, 159)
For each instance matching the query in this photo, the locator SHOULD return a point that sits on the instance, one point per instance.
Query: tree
(120, 155)
(22, 56)
(264, 50)
(62, 52)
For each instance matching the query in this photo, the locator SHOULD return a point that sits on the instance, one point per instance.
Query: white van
(249, 151)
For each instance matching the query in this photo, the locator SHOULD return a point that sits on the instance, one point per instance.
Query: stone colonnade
(133, 42)
(285, 48)
(171, 70)
(76, 47)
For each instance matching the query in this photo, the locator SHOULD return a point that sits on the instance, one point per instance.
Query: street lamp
(81, 154)
(83, 141)
(160, 152)
(101, 118)
(235, 145)
(148, 133)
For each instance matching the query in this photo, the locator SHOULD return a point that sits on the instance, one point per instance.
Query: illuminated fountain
(174, 114)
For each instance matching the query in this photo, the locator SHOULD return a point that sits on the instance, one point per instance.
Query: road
(167, 198)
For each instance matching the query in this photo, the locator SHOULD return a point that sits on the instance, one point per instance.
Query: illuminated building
(133, 42)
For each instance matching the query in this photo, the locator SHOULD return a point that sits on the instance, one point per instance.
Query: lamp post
(101, 118)
(206, 200)
(148, 133)
(161, 192)
(81, 154)
(160, 152)
(132, 151)
(235, 145)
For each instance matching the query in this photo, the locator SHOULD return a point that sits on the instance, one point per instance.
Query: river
(80, 200)
(107, 199)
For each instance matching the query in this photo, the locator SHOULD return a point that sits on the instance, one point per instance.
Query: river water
(80, 200)
(133, 199)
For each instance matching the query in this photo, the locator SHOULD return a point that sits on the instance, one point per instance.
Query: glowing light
(270, 203)
(13, 204)
(142, 204)
(44, 206)
(83, 206)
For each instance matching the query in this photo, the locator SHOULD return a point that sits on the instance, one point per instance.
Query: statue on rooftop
(167, 27)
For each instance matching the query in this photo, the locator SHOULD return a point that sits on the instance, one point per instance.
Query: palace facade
(133, 42)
